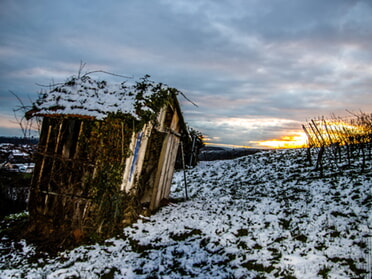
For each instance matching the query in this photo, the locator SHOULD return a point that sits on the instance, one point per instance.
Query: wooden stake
(192, 150)
(184, 171)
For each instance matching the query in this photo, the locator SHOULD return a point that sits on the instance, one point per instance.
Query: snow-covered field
(262, 216)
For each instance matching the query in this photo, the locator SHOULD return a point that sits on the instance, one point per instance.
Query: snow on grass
(262, 216)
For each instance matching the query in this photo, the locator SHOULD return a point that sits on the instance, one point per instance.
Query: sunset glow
(328, 132)
(297, 140)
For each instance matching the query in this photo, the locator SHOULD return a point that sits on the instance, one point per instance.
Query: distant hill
(212, 153)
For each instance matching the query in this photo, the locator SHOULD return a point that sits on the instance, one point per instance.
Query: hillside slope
(261, 216)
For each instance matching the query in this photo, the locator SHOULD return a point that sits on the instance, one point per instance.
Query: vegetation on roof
(85, 96)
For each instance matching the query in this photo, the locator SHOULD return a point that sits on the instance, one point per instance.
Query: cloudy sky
(257, 69)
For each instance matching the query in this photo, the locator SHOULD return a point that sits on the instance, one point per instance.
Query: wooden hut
(106, 154)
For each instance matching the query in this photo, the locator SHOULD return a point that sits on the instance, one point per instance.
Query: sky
(257, 69)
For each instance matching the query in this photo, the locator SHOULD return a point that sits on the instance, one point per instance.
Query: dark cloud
(268, 64)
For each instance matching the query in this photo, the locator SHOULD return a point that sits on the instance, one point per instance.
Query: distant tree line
(18, 140)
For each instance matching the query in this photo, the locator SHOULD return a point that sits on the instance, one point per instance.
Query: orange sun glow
(297, 140)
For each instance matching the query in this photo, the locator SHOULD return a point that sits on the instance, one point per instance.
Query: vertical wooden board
(170, 169)
(134, 163)
(59, 133)
(52, 152)
(43, 152)
(175, 123)
(45, 127)
(150, 166)
(55, 126)
(155, 197)
(35, 198)
(125, 185)
(78, 142)
(49, 205)
(161, 118)
(142, 152)
(77, 178)
(76, 219)
(69, 137)
(43, 183)
(63, 177)
(164, 166)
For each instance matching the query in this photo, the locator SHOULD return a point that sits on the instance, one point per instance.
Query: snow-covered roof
(84, 96)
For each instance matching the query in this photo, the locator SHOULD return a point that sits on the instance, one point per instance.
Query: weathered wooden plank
(170, 167)
(134, 163)
(165, 167)
(159, 178)
(43, 158)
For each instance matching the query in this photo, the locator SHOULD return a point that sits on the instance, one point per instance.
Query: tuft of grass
(257, 246)
(285, 274)
(242, 245)
(276, 254)
(110, 273)
(285, 223)
(301, 237)
(184, 235)
(254, 266)
(241, 232)
(351, 263)
(324, 271)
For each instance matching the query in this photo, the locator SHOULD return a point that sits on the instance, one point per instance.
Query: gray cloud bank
(256, 69)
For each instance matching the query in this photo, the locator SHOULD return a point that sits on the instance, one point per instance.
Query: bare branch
(82, 65)
(25, 125)
(108, 73)
(19, 99)
(188, 99)
(49, 85)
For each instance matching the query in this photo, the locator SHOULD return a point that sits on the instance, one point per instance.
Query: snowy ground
(261, 216)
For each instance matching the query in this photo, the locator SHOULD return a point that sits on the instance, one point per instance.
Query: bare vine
(341, 141)
(27, 125)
